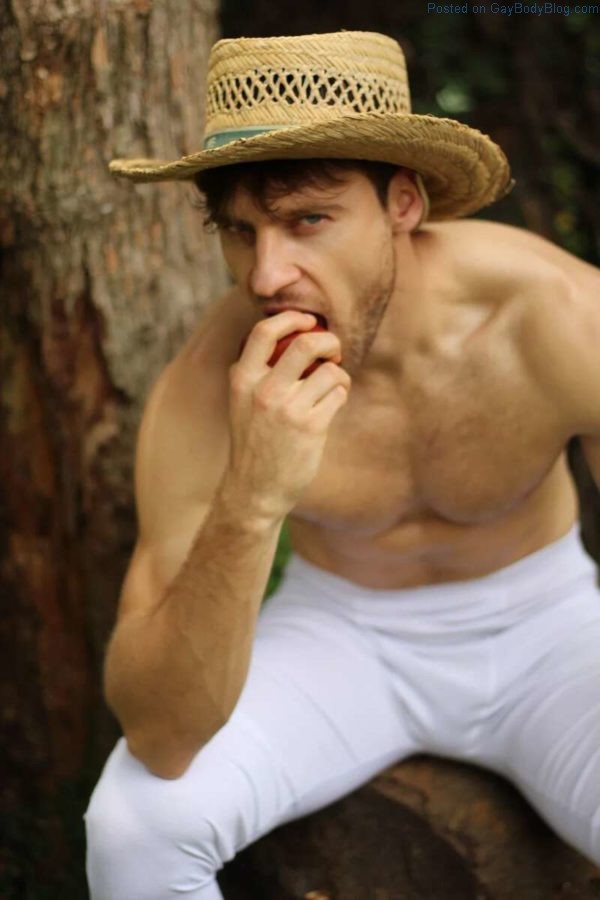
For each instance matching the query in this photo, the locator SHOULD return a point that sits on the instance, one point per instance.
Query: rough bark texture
(101, 284)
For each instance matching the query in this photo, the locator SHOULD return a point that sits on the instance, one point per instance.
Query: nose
(273, 267)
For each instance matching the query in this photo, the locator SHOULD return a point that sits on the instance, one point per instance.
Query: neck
(410, 320)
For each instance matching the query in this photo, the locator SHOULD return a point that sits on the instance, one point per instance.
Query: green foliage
(279, 563)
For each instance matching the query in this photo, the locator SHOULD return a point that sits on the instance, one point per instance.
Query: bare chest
(465, 437)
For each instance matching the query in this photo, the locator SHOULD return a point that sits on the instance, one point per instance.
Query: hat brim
(463, 169)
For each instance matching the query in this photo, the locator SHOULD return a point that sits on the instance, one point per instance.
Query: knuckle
(237, 379)
(261, 399)
(336, 348)
(331, 369)
(289, 417)
(304, 342)
(265, 326)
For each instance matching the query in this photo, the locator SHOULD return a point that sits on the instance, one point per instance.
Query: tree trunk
(426, 829)
(101, 284)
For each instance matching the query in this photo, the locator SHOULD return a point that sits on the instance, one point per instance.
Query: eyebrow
(285, 216)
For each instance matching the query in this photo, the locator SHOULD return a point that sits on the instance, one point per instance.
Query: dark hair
(268, 180)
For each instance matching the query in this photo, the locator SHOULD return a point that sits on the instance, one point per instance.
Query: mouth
(321, 320)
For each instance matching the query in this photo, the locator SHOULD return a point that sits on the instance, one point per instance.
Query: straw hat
(342, 95)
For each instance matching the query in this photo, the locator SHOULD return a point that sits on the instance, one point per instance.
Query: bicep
(561, 339)
(168, 516)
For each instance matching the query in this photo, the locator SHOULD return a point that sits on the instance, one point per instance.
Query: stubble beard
(369, 311)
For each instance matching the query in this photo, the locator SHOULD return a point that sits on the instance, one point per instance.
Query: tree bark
(101, 284)
(426, 829)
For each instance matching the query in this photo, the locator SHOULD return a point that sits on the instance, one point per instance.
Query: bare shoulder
(193, 378)
(560, 337)
(502, 257)
(552, 300)
(197, 399)
(213, 344)
(556, 318)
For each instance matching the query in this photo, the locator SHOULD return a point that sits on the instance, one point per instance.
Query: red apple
(285, 342)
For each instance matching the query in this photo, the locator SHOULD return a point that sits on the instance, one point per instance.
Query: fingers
(304, 350)
(313, 398)
(324, 411)
(319, 385)
(262, 340)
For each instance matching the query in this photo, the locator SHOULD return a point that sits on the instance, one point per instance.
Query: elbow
(160, 734)
(165, 764)
(167, 759)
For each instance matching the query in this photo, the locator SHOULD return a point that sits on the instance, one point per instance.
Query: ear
(405, 202)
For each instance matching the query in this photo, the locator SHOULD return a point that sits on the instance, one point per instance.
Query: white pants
(503, 671)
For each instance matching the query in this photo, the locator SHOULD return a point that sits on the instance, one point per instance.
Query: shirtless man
(438, 598)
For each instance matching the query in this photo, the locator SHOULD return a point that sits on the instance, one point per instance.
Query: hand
(283, 343)
(281, 410)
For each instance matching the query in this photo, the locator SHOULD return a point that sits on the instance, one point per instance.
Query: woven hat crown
(343, 95)
(302, 80)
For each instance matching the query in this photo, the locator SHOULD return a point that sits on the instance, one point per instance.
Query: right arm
(179, 655)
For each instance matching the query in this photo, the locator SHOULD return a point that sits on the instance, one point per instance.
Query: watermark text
(512, 9)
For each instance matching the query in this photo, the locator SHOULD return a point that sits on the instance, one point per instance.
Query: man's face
(329, 250)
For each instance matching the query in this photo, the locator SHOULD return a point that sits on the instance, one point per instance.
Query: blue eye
(313, 218)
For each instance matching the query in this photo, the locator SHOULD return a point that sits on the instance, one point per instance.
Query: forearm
(173, 677)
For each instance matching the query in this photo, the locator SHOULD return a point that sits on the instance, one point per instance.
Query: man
(438, 598)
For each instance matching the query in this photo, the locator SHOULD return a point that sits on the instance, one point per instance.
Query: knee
(148, 837)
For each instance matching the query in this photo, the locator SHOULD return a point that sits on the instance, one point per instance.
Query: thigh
(315, 720)
(319, 700)
(547, 740)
